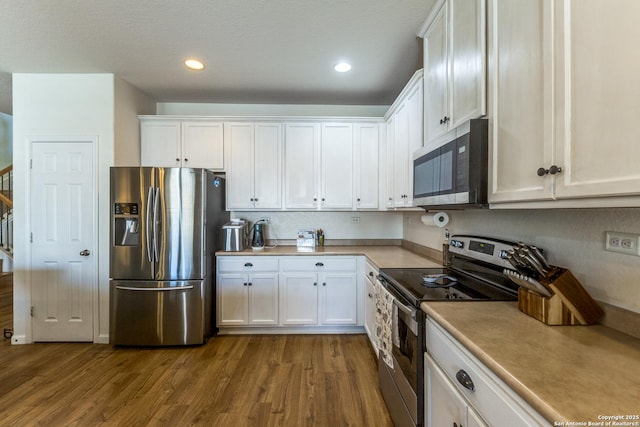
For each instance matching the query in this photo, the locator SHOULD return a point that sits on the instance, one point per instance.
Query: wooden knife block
(570, 303)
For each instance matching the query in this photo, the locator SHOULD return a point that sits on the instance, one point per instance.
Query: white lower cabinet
(370, 278)
(319, 291)
(462, 390)
(289, 291)
(247, 291)
(444, 405)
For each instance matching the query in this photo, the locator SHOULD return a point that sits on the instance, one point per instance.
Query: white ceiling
(255, 51)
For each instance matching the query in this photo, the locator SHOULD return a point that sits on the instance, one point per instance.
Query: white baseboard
(102, 339)
(19, 339)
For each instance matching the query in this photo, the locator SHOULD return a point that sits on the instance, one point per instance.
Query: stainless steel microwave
(454, 175)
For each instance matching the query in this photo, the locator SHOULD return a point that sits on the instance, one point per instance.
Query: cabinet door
(239, 142)
(467, 50)
(202, 145)
(336, 166)
(160, 143)
(263, 299)
(390, 162)
(232, 301)
(401, 156)
(435, 76)
(268, 166)
(299, 299)
(367, 166)
(338, 299)
(597, 101)
(415, 135)
(521, 108)
(443, 404)
(301, 165)
(370, 310)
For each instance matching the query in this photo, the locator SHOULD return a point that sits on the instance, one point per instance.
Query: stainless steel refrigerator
(165, 226)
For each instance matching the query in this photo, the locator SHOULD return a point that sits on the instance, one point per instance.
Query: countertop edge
(518, 387)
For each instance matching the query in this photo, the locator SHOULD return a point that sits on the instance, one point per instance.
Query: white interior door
(62, 223)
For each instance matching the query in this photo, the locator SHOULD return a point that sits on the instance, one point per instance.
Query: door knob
(85, 252)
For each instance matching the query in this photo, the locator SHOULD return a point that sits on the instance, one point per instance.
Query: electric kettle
(257, 242)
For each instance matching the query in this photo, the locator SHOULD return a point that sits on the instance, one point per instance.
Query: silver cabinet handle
(464, 379)
(85, 252)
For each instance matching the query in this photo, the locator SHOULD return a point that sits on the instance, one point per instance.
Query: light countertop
(567, 373)
(381, 256)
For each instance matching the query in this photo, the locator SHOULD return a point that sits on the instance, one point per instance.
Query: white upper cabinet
(366, 140)
(254, 165)
(563, 112)
(597, 99)
(520, 102)
(179, 143)
(336, 170)
(332, 165)
(301, 165)
(454, 66)
(404, 136)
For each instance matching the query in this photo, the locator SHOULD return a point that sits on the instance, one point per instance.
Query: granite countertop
(381, 256)
(568, 374)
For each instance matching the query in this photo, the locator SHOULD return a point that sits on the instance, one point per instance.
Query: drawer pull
(248, 264)
(464, 379)
(319, 264)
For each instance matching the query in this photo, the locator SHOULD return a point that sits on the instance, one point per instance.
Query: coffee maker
(257, 242)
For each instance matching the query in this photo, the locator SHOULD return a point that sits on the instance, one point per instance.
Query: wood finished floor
(6, 304)
(281, 380)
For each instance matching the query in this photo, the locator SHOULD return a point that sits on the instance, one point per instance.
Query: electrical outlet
(265, 219)
(624, 243)
(355, 220)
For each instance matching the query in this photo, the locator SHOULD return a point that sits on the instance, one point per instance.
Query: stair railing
(6, 209)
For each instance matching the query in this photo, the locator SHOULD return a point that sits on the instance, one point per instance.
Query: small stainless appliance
(454, 175)
(475, 274)
(234, 236)
(165, 225)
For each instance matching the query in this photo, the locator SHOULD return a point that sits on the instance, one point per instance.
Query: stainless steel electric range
(474, 272)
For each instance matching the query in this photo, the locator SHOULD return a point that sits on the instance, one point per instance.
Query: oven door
(401, 385)
(405, 346)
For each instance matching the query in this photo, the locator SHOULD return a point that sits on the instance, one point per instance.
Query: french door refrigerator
(165, 225)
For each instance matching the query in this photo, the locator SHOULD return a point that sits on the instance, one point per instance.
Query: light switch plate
(624, 243)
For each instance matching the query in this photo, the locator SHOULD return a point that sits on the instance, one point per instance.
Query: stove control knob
(457, 244)
(502, 254)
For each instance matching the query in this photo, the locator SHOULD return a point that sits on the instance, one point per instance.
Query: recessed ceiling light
(194, 64)
(342, 67)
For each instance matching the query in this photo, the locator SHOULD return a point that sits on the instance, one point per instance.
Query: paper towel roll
(439, 219)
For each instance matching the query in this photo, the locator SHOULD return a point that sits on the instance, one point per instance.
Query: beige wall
(571, 238)
(129, 103)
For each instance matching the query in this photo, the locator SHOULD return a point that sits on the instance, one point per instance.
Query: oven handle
(405, 309)
(398, 300)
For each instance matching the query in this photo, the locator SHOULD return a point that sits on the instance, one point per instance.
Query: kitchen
(573, 238)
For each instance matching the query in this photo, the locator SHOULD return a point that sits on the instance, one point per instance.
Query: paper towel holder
(437, 219)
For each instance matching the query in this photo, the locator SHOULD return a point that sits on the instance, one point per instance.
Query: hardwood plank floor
(261, 380)
(6, 302)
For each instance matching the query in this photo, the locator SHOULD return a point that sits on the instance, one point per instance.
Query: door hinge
(32, 311)
(30, 237)
(30, 163)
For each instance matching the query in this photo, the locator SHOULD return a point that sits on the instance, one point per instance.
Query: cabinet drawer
(492, 398)
(319, 264)
(247, 264)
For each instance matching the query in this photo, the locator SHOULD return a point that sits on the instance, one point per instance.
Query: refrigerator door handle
(156, 221)
(175, 288)
(149, 223)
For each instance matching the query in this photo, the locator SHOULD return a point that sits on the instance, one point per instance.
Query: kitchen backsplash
(571, 238)
(336, 225)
